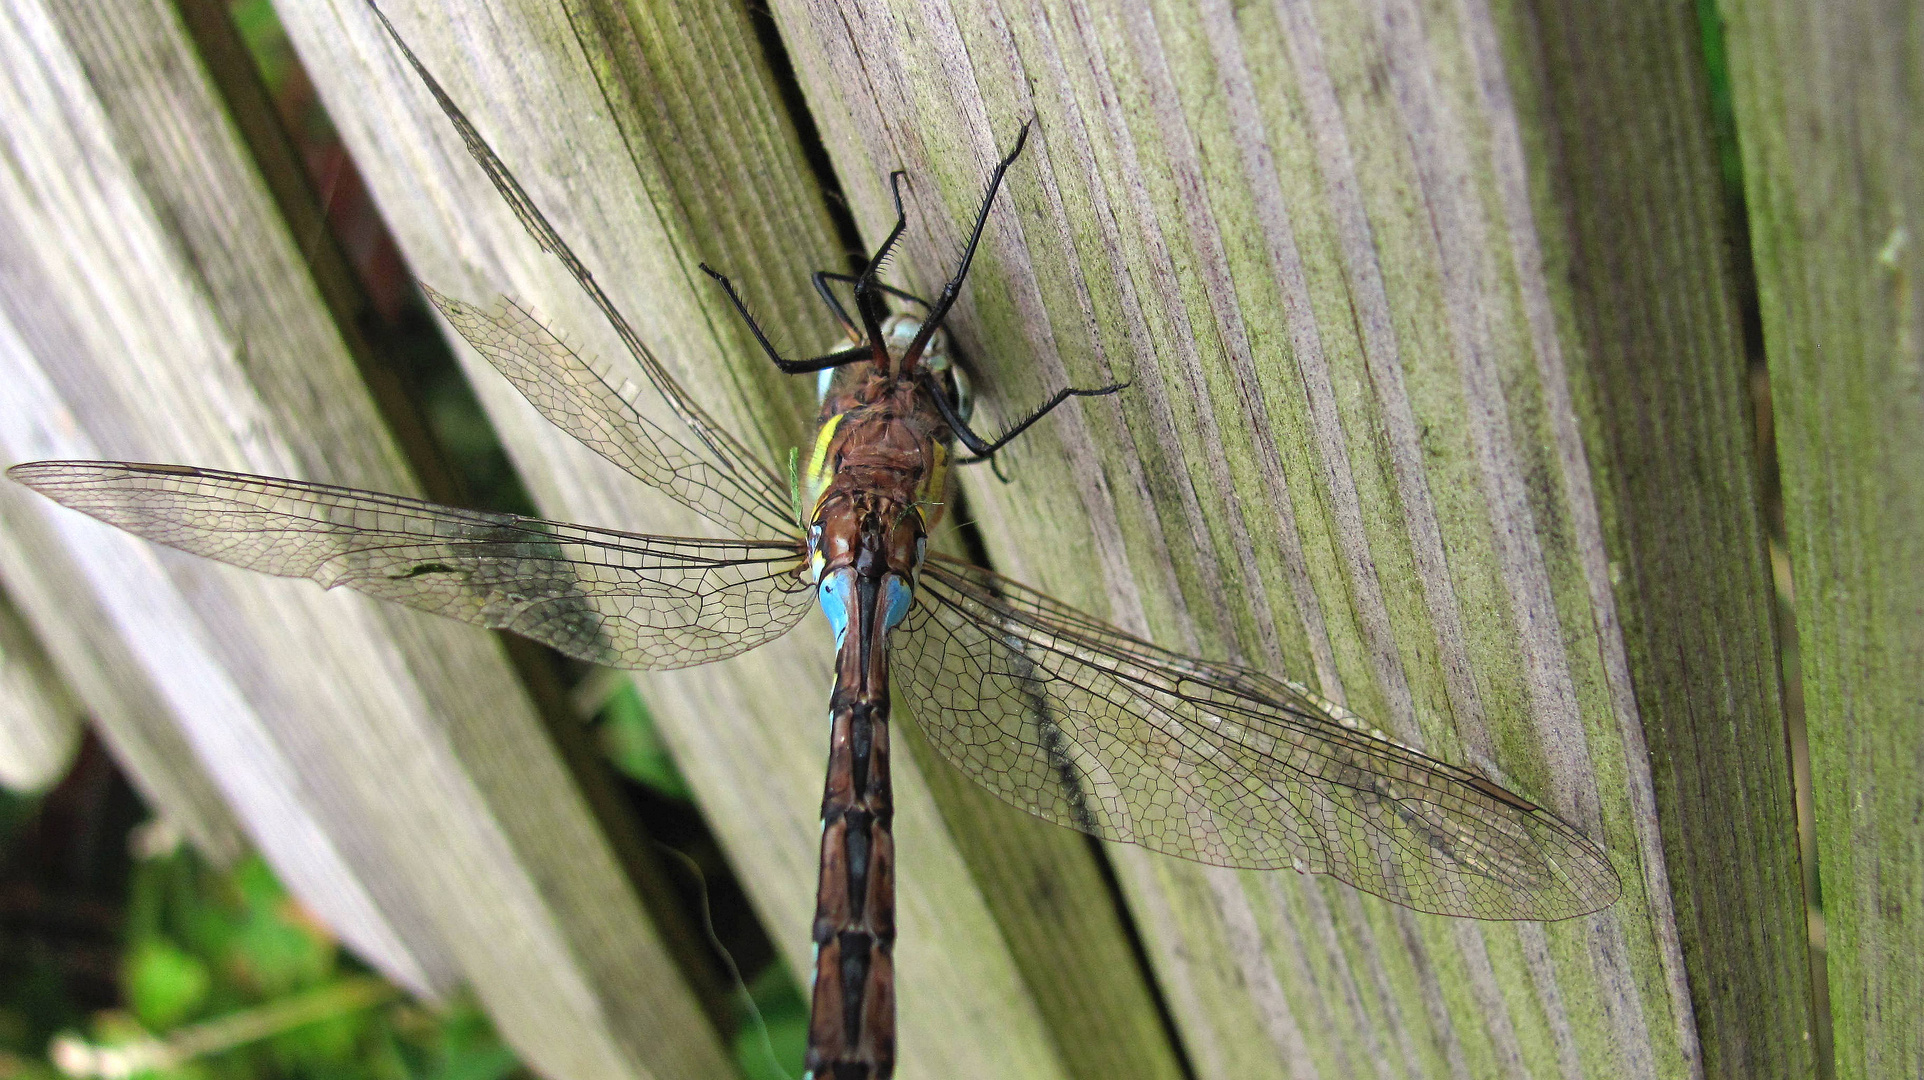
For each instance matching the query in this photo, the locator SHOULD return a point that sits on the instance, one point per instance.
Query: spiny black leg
(987, 450)
(788, 367)
(994, 463)
(954, 286)
(866, 302)
(890, 289)
(982, 448)
(821, 278)
(742, 310)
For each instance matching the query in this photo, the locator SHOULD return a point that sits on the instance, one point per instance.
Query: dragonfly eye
(935, 355)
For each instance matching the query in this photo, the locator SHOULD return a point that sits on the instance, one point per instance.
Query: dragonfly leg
(821, 278)
(867, 303)
(788, 367)
(984, 449)
(953, 287)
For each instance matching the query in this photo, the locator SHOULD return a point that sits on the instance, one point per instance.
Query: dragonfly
(1052, 709)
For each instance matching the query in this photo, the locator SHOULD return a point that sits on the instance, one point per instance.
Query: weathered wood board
(388, 764)
(40, 719)
(1828, 119)
(1438, 402)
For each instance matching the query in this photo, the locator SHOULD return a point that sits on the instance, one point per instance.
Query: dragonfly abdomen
(868, 546)
(852, 1025)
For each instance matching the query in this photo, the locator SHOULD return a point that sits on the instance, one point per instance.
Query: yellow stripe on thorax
(819, 473)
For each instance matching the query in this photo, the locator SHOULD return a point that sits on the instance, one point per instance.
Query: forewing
(710, 472)
(1079, 723)
(645, 602)
(584, 399)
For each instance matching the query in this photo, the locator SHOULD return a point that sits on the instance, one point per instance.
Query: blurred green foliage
(772, 1048)
(261, 32)
(224, 961)
(204, 944)
(626, 734)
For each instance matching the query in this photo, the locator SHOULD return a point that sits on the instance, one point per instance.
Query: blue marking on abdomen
(834, 596)
(899, 595)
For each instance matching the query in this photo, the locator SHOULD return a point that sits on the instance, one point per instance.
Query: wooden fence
(1439, 400)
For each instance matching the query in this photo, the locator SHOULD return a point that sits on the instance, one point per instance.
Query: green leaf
(331, 1041)
(276, 948)
(164, 984)
(477, 1063)
(470, 1050)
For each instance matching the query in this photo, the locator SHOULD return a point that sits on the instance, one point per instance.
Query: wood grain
(40, 719)
(1826, 100)
(1394, 356)
(390, 766)
(1437, 402)
(1629, 151)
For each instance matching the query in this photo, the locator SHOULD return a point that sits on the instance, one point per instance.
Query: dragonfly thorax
(882, 445)
(878, 475)
(898, 335)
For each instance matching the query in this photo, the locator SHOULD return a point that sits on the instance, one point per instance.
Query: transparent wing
(1074, 721)
(709, 472)
(719, 482)
(647, 602)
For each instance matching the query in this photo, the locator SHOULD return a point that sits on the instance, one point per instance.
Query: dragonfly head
(898, 334)
(898, 337)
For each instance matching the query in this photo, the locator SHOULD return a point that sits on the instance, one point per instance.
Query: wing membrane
(721, 480)
(583, 399)
(1079, 723)
(614, 598)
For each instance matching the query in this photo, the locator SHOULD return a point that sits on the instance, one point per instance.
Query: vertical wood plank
(1629, 153)
(1394, 360)
(390, 765)
(1827, 100)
